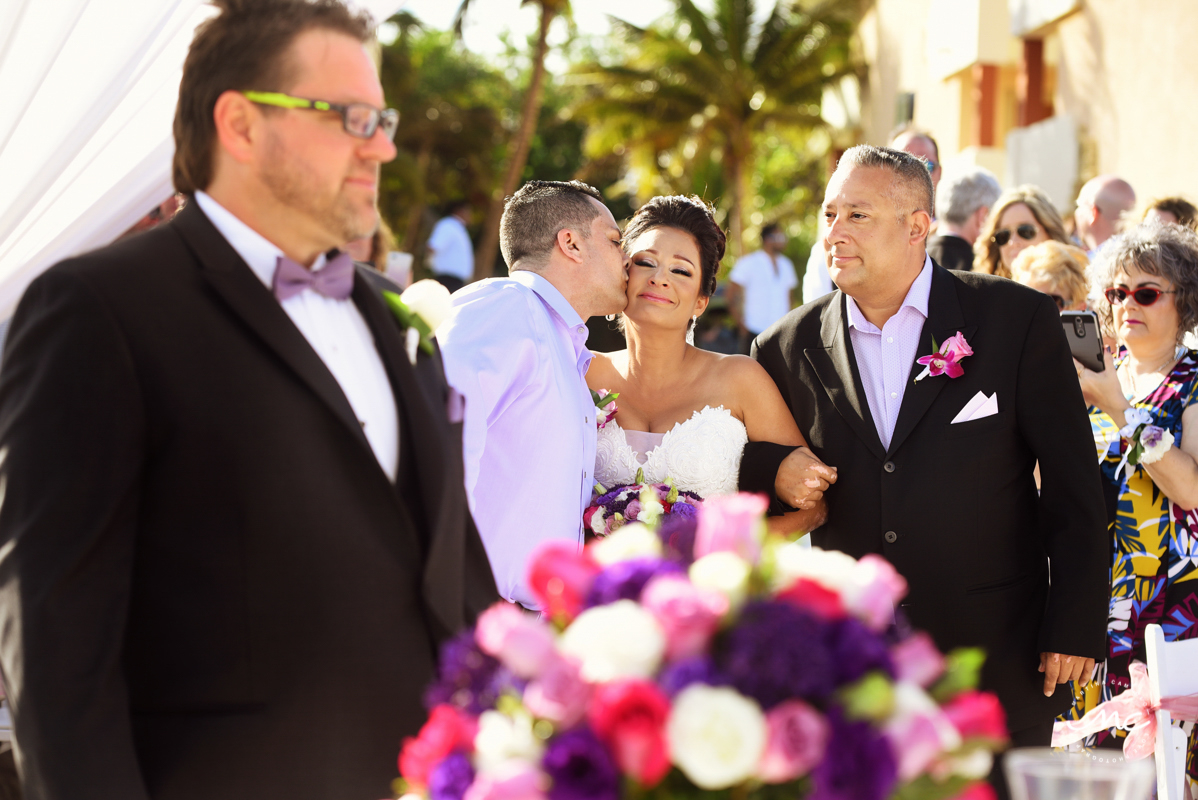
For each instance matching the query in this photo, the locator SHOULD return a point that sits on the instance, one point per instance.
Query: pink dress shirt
(885, 356)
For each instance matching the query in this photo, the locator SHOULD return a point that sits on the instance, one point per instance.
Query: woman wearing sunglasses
(1058, 270)
(1021, 217)
(1148, 280)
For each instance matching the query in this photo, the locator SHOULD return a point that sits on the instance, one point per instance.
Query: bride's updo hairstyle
(689, 215)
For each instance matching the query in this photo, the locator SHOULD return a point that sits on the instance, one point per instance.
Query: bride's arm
(767, 419)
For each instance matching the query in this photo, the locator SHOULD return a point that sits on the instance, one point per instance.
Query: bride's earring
(690, 332)
(610, 317)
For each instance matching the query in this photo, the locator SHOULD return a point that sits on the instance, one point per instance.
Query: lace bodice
(702, 454)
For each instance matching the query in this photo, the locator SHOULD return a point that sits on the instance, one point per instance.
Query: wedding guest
(1172, 209)
(450, 248)
(232, 530)
(962, 206)
(1058, 270)
(918, 142)
(761, 285)
(516, 349)
(1148, 281)
(1021, 217)
(1101, 204)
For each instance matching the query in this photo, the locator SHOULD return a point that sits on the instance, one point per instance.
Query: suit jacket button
(891, 537)
(888, 466)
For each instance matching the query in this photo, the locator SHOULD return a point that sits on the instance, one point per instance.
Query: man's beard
(290, 186)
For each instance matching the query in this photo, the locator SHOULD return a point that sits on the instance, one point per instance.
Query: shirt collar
(255, 249)
(549, 294)
(916, 299)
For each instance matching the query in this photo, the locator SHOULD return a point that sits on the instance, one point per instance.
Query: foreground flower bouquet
(674, 663)
(648, 503)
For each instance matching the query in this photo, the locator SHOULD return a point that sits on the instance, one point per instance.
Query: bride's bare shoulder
(736, 368)
(604, 367)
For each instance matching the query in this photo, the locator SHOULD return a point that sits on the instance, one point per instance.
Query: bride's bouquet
(653, 504)
(759, 668)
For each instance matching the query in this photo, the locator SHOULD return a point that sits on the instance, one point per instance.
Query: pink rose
(815, 598)
(731, 523)
(632, 511)
(874, 592)
(977, 714)
(560, 574)
(558, 693)
(630, 717)
(956, 348)
(798, 736)
(523, 643)
(688, 615)
(917, 660)
(446, 730)
(979, 790)
(516, 781)
(916, 742)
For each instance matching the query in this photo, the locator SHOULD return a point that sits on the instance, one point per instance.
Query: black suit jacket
(954, 507)
(951, 252)
(208, 585)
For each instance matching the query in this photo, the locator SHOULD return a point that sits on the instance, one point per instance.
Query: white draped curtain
(87, 96)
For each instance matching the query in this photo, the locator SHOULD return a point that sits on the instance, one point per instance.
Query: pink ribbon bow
(1133, 711)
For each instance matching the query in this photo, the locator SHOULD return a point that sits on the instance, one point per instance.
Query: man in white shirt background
(761, 286)
(451, 254)
(515, 348)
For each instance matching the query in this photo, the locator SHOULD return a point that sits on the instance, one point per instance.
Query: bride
(686, 413)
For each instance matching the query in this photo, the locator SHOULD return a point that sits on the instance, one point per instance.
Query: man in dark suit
(233, 529)
(962, 205)
(936, 472)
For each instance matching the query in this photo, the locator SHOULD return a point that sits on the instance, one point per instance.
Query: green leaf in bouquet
(672, 497)
(640, 476)
(600, 402)
(927, 788)
(870, 698)
(963, 668)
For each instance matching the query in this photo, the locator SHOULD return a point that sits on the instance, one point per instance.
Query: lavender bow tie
(334, 280)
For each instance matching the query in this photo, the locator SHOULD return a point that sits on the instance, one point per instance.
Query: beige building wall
(1120, 77)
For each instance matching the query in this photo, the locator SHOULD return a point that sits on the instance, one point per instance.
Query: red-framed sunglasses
(1144, 296)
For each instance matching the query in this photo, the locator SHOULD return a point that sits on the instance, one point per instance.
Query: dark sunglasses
(1026, 231)
(1144, 296)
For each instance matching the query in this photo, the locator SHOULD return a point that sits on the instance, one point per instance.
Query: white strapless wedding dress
(702, 454)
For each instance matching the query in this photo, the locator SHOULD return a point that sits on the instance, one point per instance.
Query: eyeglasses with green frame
(358, 119)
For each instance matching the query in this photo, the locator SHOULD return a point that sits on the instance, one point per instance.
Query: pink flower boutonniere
(605, 406)
(947, 359)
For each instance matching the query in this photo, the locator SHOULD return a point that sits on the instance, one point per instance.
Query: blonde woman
(1058, 270)
(1022, 217)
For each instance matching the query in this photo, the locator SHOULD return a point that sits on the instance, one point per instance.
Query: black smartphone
(1085, 341)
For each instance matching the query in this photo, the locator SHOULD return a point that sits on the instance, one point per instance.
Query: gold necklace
(1168, 364)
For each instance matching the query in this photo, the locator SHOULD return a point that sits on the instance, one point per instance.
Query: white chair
(1172, 672)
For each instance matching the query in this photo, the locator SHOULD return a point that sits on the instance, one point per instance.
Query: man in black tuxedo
(962, 205)
(952, 504)
(233, 529)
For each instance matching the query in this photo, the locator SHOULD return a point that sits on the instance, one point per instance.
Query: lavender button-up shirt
(885, 356)
(516, 350)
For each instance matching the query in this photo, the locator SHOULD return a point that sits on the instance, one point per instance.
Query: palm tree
(697, 93)
(484, 257)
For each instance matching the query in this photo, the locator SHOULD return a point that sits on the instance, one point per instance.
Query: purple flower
(858, 763)
(677, 533)
(1151, 435)
(858, 650)
(581, 767)
(681, 674)
(468, 678)
(451, 778)
(776, 652)
(624, 580)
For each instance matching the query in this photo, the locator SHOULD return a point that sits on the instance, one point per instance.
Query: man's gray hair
(1167, 251)
(964, 192)
(911, 188)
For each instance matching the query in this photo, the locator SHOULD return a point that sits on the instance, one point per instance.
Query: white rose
(1156, 441)
(430, 300)
(831, 569)
(716, 735)
(724, 572)
(619, 640)
(501, 739)
(624, 544)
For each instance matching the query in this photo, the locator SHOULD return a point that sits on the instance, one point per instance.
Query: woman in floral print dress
(1150, 281)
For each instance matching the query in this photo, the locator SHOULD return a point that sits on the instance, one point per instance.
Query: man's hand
(1059, 668)
(802, 479)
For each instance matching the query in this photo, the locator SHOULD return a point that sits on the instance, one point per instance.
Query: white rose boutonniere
(420, 309)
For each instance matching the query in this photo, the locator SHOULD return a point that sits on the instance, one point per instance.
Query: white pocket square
(978, 407)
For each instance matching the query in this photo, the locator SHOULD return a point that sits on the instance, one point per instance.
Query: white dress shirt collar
(256, 250)
(557, 303)
(917, 299)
